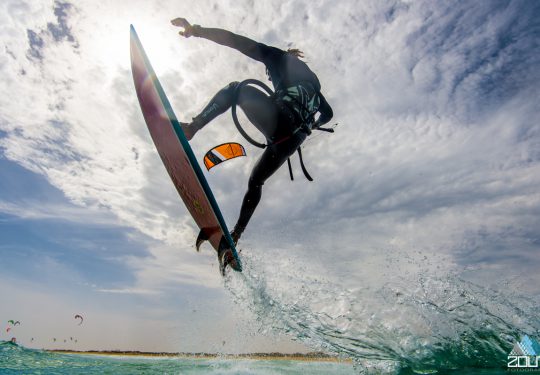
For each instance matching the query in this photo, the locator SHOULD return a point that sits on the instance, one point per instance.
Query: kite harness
(302, 127)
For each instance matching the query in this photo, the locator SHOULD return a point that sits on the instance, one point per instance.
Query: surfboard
(177, 155)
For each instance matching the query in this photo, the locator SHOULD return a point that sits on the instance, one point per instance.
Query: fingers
(180, 22)
(186, 33)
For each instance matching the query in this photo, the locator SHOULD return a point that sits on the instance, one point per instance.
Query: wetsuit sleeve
(248, 47)
(325, 110)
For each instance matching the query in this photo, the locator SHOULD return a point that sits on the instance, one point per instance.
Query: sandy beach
(311, 357)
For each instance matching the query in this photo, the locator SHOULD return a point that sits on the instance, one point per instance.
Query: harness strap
(311, 112)
(302, 165)
(233, 108)
(290, 168)
(303, 127)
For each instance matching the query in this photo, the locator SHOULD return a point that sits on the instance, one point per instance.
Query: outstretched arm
(240, 43)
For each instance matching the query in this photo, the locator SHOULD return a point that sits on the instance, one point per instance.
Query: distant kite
(14, 322)
(79, 317)
(222, 153)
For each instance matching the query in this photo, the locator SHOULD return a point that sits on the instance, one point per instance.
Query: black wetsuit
(292, 108)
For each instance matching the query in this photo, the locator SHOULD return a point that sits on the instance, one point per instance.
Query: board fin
(203, 236)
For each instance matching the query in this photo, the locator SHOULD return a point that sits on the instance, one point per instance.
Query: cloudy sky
(436, 160)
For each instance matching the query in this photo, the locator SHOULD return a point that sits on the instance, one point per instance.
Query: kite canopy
(79, 317)
(222, 153)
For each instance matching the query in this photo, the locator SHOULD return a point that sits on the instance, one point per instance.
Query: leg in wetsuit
(272, 158)
(265, 115)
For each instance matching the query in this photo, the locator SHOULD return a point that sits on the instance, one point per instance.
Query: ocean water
(18, 360)
(416, 323)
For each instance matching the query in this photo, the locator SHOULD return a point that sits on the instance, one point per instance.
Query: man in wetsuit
(285, 118)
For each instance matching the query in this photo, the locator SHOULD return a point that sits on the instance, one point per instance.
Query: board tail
(227, 257)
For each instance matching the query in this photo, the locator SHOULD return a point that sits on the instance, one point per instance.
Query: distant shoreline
(314, 357)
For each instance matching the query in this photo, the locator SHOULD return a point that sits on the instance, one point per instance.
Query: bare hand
(182, 22)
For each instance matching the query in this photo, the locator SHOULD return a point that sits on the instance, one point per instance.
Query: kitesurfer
(285, 118)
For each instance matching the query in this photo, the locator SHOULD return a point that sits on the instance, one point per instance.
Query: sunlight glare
(159, 37)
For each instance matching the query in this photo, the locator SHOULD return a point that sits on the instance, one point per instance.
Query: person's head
(291, 51)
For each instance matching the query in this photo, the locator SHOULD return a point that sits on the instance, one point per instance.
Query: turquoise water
(18, 360)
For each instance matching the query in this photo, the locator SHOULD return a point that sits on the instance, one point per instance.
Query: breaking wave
(409, 324)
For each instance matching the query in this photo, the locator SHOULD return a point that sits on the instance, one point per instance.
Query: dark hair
(296, 52)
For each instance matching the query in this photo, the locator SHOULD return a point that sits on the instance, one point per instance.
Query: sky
(435, 160)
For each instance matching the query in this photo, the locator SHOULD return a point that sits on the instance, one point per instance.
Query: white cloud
(35, 210)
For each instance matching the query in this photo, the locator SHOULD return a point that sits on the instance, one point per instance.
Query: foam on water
(407, 324)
